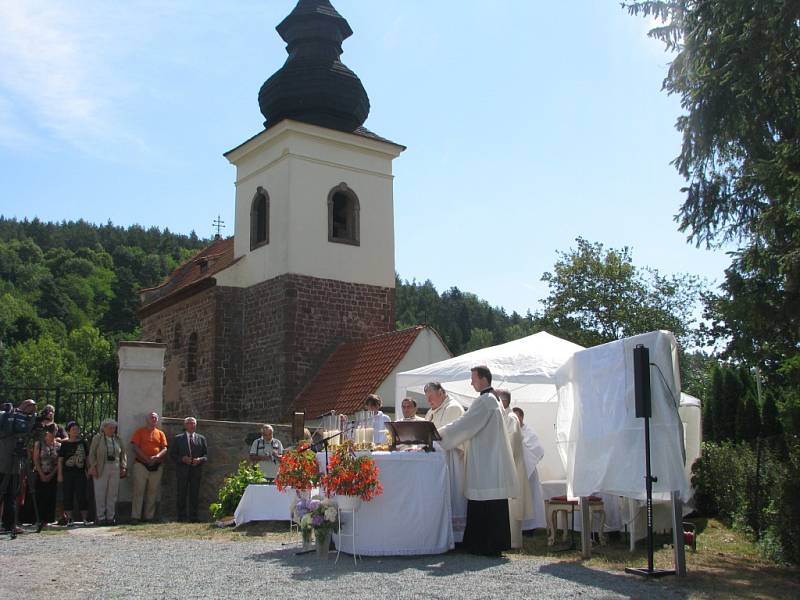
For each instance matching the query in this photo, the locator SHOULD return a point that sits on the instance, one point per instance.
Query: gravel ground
(107, 563)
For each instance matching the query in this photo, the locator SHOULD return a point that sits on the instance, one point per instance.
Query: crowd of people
(493, 464)
(37, 456)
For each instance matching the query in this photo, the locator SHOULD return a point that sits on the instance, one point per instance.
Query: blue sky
(527, 124)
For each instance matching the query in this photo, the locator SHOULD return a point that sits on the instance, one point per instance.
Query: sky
(527, 124)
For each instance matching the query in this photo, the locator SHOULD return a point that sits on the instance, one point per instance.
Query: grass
(727, 564)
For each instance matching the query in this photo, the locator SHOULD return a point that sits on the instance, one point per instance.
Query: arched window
(343, 216)
(191, 358)
(178, 339)
(259, 219)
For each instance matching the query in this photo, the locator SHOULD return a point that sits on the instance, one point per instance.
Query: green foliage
(727, 405)
(69, 293)
(748, 419)
(597, 295)
(233, 489)
(710, 405)
(755, 489)
(736, 73)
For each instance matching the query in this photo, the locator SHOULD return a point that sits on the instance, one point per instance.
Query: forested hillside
(69, 292)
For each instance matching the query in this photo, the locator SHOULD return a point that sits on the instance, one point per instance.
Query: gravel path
(107, 563)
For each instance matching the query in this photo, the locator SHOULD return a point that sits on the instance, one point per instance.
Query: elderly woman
(72, 472)
(45, 464)
(107, 463)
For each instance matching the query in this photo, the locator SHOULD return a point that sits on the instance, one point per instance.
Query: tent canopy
(599, 436)
(526, 367)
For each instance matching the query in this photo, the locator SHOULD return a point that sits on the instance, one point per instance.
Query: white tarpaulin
(526, 367)
(599, 436)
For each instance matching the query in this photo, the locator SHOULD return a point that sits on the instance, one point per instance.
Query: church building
(250, 320)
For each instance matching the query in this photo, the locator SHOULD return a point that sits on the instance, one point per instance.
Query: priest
(443, 411)
(490, 478)
(534, 452)
(520, 508)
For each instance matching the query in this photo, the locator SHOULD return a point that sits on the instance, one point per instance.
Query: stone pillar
(141, 391)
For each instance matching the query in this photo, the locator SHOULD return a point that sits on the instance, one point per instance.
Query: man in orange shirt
(150, 447)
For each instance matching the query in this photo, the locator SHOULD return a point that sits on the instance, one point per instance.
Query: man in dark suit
(190, 453)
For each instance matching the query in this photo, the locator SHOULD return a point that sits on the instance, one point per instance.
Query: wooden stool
(562, 504)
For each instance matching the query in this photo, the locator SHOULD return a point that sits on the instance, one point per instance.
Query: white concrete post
(141, 391)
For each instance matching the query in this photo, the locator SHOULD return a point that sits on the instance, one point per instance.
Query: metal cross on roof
(219, 224)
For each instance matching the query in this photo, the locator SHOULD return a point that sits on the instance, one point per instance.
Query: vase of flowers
(320, 516)
(298, 469)
(351, 475)
(299, 507)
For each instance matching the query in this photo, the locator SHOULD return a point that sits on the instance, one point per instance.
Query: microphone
(325, 414)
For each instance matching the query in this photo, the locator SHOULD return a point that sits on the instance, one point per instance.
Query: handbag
(153, 468)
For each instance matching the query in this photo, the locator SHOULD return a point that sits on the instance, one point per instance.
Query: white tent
(600, 438)
(526, 367)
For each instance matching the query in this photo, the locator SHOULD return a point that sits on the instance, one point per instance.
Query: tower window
(178, 339)
(343, 216)
(259, 219)
(191, 358)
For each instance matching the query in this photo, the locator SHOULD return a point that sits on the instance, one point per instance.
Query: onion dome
(313, 86)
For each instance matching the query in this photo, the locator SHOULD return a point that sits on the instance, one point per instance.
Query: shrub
(233, 489)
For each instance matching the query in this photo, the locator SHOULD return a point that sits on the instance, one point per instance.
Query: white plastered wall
(298, 165)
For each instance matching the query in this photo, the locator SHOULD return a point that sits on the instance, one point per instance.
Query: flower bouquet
(298, 469)
(351, 475)
(318, 515)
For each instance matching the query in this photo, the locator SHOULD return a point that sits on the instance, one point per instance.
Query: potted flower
(350, 477)
(298, 469)
(320, 516)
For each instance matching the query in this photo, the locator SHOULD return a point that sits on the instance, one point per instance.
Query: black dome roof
(313, 85)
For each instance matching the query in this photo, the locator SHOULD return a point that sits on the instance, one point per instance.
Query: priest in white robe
(409, 408)
(490, 477)
(520, 508)
(443, 411)
(534, 452)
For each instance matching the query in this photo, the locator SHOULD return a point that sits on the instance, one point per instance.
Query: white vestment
(379, 421)
(490, 473)
(449, 411)
(520, 508)
(534, 452)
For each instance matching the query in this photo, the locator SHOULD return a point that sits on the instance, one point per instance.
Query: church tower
(311, 264)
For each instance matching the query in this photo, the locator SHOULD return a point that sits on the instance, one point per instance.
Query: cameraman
(15, 427)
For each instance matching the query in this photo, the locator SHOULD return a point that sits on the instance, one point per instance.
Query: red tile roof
(354, 371)
(210, 260)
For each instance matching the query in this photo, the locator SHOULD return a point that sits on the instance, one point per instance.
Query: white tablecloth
(412, 516)
(264, 503)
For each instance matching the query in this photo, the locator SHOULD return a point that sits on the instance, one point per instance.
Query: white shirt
(262, 447)
(379, 421)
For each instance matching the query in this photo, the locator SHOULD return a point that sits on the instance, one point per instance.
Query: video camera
(18, 425)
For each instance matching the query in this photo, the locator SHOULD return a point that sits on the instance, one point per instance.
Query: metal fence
(88, 408)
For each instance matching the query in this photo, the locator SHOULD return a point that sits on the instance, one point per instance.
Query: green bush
(233, 489)
(759, 495)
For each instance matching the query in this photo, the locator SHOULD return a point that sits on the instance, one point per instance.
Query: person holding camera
(108, 462)
(15, 429)
(150, 446)
(266, 451)
(72, 461)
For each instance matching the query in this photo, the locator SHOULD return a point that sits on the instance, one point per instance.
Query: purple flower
(313, 505)
(316, 520)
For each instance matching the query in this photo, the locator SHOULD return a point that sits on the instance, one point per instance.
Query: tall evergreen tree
(710, 406)
(748, 419)
(728, 406)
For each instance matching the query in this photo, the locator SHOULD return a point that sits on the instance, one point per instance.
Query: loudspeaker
(641, 381)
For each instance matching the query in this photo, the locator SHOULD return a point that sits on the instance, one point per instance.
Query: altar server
(520, 508)
(490, 478)
(534, 452)
(373, 404)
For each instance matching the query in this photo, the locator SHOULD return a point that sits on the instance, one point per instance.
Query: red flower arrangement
(298, 469)
(351, 475)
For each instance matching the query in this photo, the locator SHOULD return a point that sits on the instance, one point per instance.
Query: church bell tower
(314, 225)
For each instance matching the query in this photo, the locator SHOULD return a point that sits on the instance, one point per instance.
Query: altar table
(412, 516)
